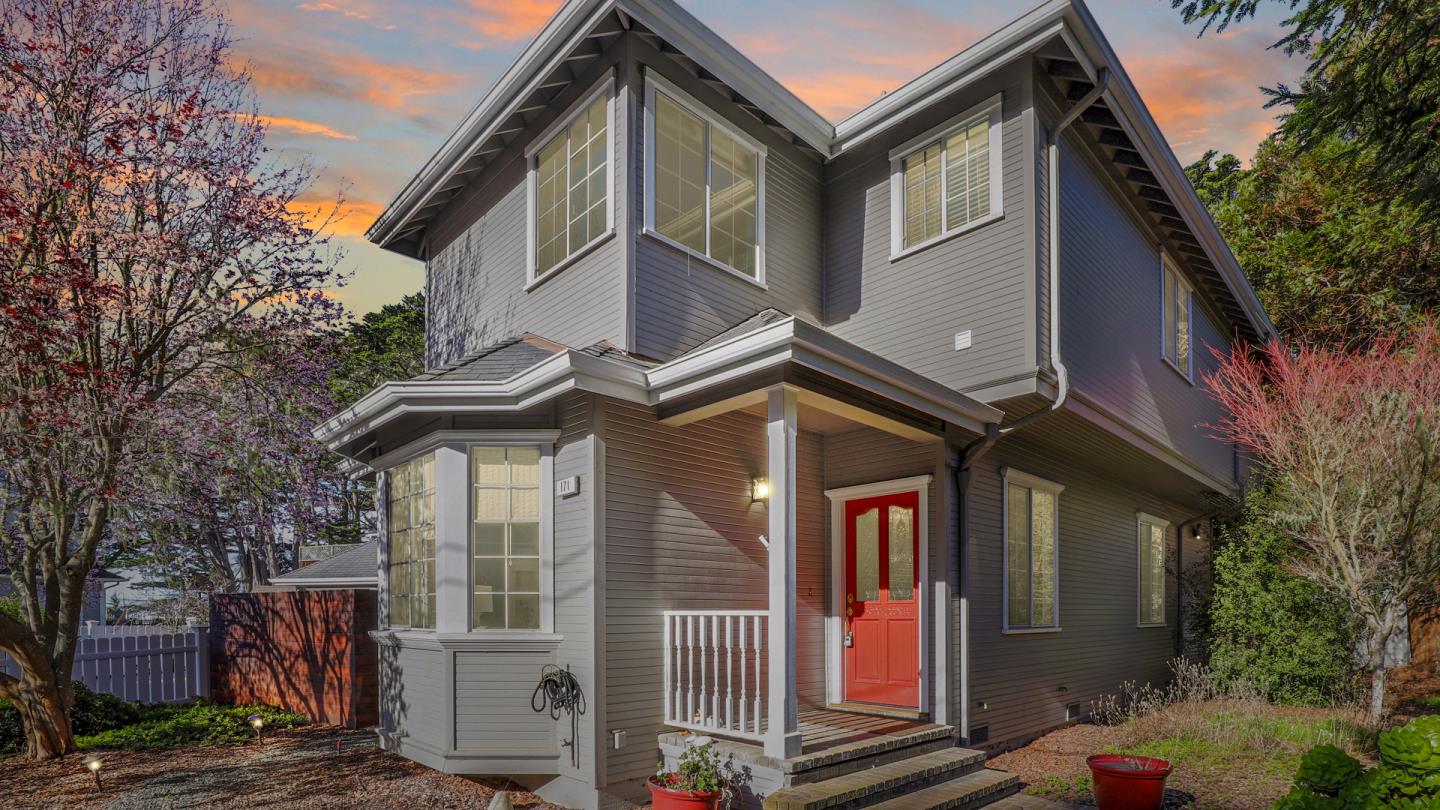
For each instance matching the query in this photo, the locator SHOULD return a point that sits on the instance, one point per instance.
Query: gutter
(978, 448)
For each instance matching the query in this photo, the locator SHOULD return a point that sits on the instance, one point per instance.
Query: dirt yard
(310, 767)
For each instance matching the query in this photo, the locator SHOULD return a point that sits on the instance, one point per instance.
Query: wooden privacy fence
(150, 668)
(306, 651)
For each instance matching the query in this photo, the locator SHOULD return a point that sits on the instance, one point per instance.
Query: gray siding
(575, 580)
(681, 533)
(1110, 319)
(492, 704)
(475, 279)
(412, 689)
(681, 301)
(1020, 677)
(909, 310)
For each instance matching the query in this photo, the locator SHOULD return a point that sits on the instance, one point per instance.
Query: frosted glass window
(1030, 554)
(706, 187)
(1151, 540)
(410, 542)
(571, 196)
(1175, 318)
(505, 538)
(949, 182)
(902, 553)
(867, 556)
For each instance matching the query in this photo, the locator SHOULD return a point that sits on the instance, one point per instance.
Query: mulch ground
(299, 768)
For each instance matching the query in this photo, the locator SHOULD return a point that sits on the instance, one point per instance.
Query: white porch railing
(714, 662)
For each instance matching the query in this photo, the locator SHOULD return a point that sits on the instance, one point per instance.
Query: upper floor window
(1151, 559)
(507, 538)
(1032, 552)
(410, 542)
(569, 185)
(947, 180)
(1175, 317)
(705, 191)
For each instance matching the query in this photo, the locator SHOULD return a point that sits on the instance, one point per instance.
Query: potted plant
(1128, 782)
(697, 783)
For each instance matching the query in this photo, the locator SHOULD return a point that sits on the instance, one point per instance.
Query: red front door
(882, 607)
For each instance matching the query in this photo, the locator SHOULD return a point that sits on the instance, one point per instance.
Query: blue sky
(367, 89)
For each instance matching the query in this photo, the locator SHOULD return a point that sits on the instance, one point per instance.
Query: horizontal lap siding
(476, 274)
(575, 576)
(412, 693)
(681, 301)
(681, 533)
(1110, 320)
(909, 310)
(1020, 677)
(492, 705)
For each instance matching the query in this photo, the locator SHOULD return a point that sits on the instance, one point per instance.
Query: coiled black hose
(559, 691)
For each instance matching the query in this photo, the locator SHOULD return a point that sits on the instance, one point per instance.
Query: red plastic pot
(664, 797)
(1128, 783)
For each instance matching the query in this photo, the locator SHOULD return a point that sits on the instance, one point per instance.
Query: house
(350, 567)
(847, 443)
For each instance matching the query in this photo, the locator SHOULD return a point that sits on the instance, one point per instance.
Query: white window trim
(605, 87)
(991, 109)
(1168, 266)
(654, 82)
(1144, 521)
(1010, 475)
(547, 538)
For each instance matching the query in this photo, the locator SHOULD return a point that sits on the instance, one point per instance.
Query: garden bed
(308, 767)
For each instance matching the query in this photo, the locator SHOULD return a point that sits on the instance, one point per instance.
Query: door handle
(849, 598)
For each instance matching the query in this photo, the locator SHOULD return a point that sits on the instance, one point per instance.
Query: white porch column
(782, 738)
(452, 539)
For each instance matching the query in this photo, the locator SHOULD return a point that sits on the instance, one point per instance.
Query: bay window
(410, 536)
(506, 538)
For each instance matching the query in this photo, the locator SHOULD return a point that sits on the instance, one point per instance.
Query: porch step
(877, 784)
(970, 791)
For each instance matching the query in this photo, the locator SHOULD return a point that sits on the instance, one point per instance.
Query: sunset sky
(367, 89)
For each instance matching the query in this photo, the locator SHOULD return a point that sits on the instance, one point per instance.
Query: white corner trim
(654, 83)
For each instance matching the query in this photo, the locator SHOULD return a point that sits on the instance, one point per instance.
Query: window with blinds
(1031, 553)
(1150, 555)
(945, 180)
(410, 542)
(505, 538)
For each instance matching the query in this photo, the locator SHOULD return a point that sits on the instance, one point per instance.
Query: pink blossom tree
(147, 241)
(1350, 443)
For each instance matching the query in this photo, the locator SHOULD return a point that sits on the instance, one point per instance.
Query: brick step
(876, 784)
(966, 792)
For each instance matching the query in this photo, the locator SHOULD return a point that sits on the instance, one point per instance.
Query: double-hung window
(1150, 555)
(946, 181)
(507, 542)
(410, 542)
(705, 191)
(1175, 317)
(1032, 552)
(570, 183)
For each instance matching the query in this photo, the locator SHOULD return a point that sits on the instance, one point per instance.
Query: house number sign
(565, 487)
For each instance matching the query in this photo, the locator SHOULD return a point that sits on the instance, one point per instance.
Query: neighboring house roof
(1061, 32)
(353, 568)
(106, 575)
(766, 342)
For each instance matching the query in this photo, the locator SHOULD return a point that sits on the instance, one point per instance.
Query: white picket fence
(149, 667)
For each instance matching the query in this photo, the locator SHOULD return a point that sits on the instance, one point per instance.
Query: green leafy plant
(698, 771)
(1408, 776)
(92, 713)
(198, 723)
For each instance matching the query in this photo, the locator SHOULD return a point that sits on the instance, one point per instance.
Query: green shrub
(1271, 630)
(10, 606)
(1407, 778)
(192, 724)
(93, 712)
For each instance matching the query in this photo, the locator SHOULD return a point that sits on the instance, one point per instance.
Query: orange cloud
(303, 127)
(836, 95)
(346, 12)
(356, 78)
(352, 218)
(512, 19)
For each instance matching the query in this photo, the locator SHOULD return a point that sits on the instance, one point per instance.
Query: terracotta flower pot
(1128, 783)
(664, 797)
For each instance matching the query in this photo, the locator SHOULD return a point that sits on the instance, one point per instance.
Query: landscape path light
(256, 722)
(93, 762)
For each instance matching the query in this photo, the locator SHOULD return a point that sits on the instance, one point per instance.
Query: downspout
(974, 450)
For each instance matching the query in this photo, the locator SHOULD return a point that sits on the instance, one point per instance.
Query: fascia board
(570, 24)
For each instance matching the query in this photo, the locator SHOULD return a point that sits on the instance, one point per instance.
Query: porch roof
(767, 348)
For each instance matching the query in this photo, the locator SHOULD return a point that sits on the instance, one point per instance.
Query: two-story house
(845, 444)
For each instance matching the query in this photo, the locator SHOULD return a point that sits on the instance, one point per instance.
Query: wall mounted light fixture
(759, 490)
